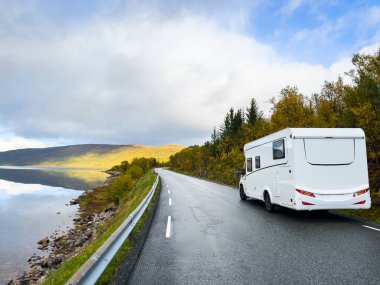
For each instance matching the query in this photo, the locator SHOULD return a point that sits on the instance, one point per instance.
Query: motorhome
(308, 169)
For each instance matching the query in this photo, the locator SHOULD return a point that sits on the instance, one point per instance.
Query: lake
(32, 206)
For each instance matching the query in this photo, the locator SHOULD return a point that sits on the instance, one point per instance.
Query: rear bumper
(329, 202)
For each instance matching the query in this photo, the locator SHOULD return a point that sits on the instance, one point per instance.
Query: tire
(242, 194)
(268, 203)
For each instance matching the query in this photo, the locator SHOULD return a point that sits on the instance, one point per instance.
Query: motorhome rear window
(329, 151)
(257, 162)
(249, 164)
(278, 149)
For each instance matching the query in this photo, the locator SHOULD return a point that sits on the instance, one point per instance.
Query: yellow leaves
(365, 116)
(366, 119)
(292, 110)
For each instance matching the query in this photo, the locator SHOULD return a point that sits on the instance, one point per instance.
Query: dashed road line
(371, 228)
(170, 201)
(168, 191)
(168, 226)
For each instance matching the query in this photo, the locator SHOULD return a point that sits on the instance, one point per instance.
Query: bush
(119, 188)
(135, 171)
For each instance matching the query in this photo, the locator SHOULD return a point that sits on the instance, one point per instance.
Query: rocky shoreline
(60, 247)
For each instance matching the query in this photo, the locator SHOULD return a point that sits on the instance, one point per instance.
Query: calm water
(29, 202)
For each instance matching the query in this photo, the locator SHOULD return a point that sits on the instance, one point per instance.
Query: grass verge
(68, 268)
(113, 267)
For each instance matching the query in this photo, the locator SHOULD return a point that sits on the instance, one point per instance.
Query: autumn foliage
(337, 105)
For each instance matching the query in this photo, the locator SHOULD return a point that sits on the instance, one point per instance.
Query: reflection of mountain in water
(73, 179)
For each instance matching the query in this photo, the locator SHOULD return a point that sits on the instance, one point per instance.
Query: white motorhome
(308, 169)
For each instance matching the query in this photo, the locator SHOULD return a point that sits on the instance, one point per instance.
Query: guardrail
(93, 268)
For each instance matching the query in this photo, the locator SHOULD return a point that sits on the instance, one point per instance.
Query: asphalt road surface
(215, 238)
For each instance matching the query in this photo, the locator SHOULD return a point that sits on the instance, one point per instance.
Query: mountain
(87, 155)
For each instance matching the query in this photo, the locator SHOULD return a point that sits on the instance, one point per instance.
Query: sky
(163, 72)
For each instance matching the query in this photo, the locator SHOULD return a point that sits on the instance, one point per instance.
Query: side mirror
(238, 171)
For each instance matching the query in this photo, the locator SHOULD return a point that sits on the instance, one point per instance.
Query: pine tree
(253, 113)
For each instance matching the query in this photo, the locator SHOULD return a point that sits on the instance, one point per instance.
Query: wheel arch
(267, 189)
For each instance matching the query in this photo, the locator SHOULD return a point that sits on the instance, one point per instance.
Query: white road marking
(168, 226)
(170, 201)
(168, 191)
(371, 228)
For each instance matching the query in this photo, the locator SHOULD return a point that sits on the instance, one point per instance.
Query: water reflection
(80, 179)
(30, 201)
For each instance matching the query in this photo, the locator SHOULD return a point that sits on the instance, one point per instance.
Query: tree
(292, 110)
(330, 106)
(363, 101)
(253, 114)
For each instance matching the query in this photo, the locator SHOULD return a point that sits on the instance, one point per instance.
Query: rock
(41, 280)
(43, 241)
(43, 247)
(32, 271)
(88, 233)
(46, 263)
(110, 209)
(58, 213)
(80, 241)
(58, 259)
(74, 202)
(10, 282)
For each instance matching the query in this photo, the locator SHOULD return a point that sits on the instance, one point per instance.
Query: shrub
(119, 188)
(135, 171)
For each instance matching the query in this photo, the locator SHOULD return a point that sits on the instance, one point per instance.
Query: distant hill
(86, 155)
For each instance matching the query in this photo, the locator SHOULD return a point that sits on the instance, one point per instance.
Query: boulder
(58, 259)
(80, 241)
(43, 241)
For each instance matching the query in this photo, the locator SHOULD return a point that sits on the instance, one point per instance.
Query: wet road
(215, 238)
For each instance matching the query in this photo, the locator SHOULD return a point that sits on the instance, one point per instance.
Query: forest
(337, 105)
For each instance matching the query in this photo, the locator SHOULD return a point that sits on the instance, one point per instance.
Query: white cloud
(353, 23)
(17, 142)
(371, 49)
(140, 79)
(289, 7)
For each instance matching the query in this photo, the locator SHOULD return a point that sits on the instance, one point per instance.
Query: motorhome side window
(257, 162)
(249, 164)
(278, 149)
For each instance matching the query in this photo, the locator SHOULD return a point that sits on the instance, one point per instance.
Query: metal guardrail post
(93, 268)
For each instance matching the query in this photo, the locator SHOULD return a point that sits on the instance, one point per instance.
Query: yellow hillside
(107, 160)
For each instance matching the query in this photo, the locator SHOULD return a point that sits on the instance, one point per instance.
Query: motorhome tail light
(306, 203)
(361, 192)
(305, 193)
(361, 202)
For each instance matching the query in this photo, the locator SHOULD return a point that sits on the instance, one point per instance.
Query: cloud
(289, 7)
(138, 78)
(342, 26)
(16, 142)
